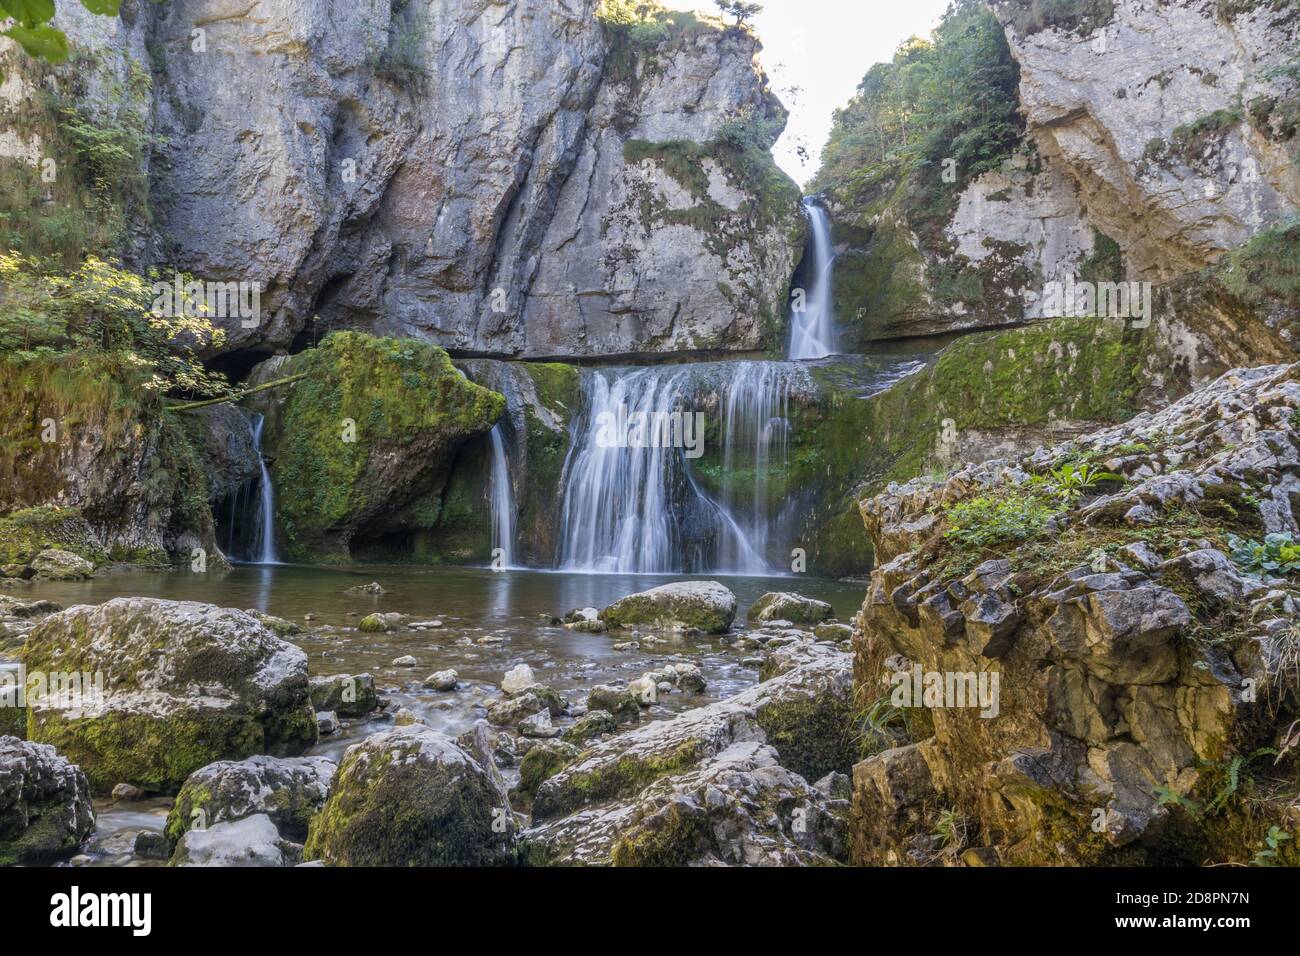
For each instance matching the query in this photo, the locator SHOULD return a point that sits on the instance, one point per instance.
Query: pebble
(405, 661)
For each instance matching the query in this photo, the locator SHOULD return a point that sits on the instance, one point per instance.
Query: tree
(742, 11)
(32, 31)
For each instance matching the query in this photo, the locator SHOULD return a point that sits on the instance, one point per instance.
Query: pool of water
(491, 622)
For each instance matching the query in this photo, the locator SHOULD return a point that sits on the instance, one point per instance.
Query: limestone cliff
(521, 179)
(1150, 139)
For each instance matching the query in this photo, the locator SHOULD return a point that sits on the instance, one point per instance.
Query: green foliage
(99, 308)
(31, 29)
(951, 97)
(1273, 841)
(398, 53)
(1277, 554)
(741, 10)
(84, 203)
(1268, 266)
(1010, 515)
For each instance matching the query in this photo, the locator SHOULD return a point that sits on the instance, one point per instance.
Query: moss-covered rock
(92, 463)
(544, 759)
(410, 797)
(704, 606)
(348, 695)
(362, 447)
(289, 791)
(45, 808)
(784, 606)
(167, 687)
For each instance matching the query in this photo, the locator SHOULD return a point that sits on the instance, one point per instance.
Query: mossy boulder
(410, 797)
(704, 606)
(785, 606)
(544, 759)
(363, 445)
(168, 687)
(348, 695)
(45, 808)
(288, 790)
(805, 713)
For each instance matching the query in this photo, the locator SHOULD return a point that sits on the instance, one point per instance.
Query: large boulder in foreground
(739, 807)
(785, 606)
(45, 808)
(681, 606)
(168, 687)
(411, 797)
(805, 715)
(289, 791)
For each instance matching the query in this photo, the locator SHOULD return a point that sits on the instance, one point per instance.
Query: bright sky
(823, 47)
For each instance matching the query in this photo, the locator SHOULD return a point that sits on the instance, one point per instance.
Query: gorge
(583, 460)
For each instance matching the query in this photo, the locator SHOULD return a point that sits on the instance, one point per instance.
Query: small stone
(539, 725)
(373, 587)
(645, 690)
(518, 679)
(327, 722)
(125, 791)
(406, 660)
(627, 646)
(442, 680)
(425, 625)
(152, 845)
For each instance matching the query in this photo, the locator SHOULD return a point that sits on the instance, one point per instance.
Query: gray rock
(681, 606)
(517, 680)
(785, 606)
(45, 808)
(55, 565)
(411, 797)
(442, 680)
(288, 791)
(348, 695)
(253, 841)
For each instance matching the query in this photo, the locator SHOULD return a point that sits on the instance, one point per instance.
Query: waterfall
(642, 509)
(502, 496)
(812, 329)
(755, 425)
(264, 548)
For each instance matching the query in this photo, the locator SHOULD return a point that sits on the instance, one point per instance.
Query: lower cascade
(265, 545)
(632, 502)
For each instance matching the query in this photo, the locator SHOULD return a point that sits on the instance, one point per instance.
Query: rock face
(112, 476)
(289, 791)
(45, 808)
(1156, 137)
(1167, 119)
(589, 187)
(1080, 671)
(411, 797)
(723, 784)
(681, 606)
(167, 687)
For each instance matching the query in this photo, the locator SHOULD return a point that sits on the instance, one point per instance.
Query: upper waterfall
(812, 321)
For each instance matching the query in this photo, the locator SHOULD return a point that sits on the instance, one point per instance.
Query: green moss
(1080, 17)
(26, 532)
(383, 811)
(153, 754)
(13, 722)
(673, 837)
(813, 735)
(610, 780)
(393, 397)
(539, 765)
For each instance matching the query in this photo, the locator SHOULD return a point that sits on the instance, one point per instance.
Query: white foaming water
(502, 496)
(812, 331)
(640, 509)
(264, 550)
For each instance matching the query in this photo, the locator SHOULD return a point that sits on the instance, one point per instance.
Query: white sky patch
(823, 48)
